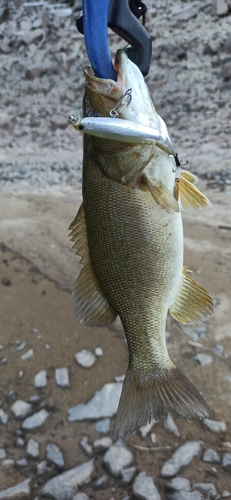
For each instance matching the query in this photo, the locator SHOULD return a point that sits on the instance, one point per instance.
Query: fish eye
(81, 127)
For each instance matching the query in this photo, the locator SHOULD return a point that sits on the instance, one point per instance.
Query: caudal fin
(154, 397)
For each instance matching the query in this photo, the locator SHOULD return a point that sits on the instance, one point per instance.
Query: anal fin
(89, 303)
(162, 196)
(193, 303)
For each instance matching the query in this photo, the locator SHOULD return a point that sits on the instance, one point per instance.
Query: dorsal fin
(89, 303)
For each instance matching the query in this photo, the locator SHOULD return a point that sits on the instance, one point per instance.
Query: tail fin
(169, 391)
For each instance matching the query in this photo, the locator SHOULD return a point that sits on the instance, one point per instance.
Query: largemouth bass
(128, 232)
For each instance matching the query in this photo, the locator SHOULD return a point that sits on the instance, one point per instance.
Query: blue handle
(95, 23)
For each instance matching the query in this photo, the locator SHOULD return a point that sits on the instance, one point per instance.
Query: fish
(121, 130)
(129, 235)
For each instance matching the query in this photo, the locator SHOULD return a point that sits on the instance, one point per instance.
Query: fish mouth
(103, 95)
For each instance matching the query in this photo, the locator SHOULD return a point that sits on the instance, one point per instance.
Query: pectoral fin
(89, 303)
(190, 199)
(162, 196)
(193, 303)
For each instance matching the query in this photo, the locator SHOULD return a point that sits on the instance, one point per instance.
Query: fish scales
(130, 237)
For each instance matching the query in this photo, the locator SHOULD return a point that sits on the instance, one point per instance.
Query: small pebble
(85, 358)
(41, 468)
(117, 458)
(214, 425)
(226, 461)
(144, 487)
(101, 483)
(208, 488)
(22, 462)
(81, 496)
(226, 494)
(62, 377)
(182, 457)
(120, 378)
(2, 453)
(21, 409)
(3, 361)
(11, 397)
(34, 399)
(203, 359)
(98, 351)
(19, 442)
(127, 475)
(211, 456)
(178, 484)
(54, 455)
(17, 491)
(20, 345)
(35, 420)
(28, 355)
(102, 426)
(8, 463)
(146, 428)
(40, 379)
(102, 444)
(3, 417)
(170, 425)
(32, 448)
(86, 447)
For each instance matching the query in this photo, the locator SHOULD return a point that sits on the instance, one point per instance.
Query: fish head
(103, 95)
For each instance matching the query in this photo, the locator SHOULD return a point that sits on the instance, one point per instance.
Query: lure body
(117, 129)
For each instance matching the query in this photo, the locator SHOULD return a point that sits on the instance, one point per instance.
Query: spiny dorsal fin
(162, 196)
(89, 303)
(193, 303)
(190, 199)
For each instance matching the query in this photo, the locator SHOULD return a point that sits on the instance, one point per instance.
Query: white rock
(62, 377)
(54, 455)
(35, 420)
(102, 444)
(98, 351)
(146, 428)
(144, 488)
(20, 409)
(2, 453)
(16, 491)
(8, 463)
(170, 425)
(86, 447)
(65, 485)
(211, 456)
(29, 354)
(81, 496)
(215, 425)
(116, 458)
(41, 468)
(32, 448)
(127, 475)
(226, 461)
(203, 359)
(178, 484)
(3, 417)
(85, 358)
(40, 379)
(103, 404)
(103, 426)
(182, 457)
(208, 488)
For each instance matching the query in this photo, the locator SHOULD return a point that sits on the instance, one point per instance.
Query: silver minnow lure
(117, 129)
